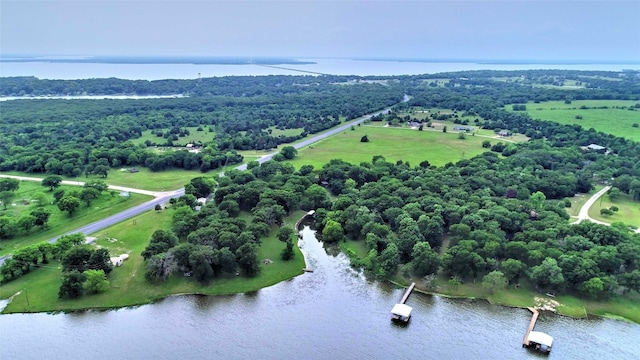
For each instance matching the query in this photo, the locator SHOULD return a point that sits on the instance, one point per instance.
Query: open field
(128, 286)
(612, 120)
(60, 222)
(394, 144)
(628, 213)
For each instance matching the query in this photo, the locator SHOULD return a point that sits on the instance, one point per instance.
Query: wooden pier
(539, 340)
(405, 297)
(532, 324)
(401, 311)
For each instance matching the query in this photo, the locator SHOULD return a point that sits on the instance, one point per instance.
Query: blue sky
(513, 30)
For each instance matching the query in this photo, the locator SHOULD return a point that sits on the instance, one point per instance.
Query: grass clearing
(628, 210)
(394, 144)
(194, 136)
(616, 119)
(60, 222)
(155, 181)
(128, 285)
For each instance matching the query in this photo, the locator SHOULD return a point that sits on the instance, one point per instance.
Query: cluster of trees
(215, 240)
(496, 214)
(84, 271)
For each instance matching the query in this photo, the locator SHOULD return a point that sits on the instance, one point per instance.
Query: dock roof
(402, 310)
(540, 338)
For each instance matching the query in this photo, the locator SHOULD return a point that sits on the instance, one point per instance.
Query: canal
(332, 313)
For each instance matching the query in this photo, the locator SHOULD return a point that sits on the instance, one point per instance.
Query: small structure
(134, 170)
(504, 133)
(463, 128)
(401, 311)
(118, 260)
(125, 194)
(596, 147)
(536, 339)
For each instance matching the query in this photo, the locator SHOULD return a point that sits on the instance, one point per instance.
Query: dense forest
(71, 137)
(500, 213)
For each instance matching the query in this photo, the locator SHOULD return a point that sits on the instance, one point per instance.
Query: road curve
(584, 210)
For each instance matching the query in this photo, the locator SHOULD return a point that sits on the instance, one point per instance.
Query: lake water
(332, 313)
(55, 70)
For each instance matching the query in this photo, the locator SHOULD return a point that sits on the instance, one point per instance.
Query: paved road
(584, 210)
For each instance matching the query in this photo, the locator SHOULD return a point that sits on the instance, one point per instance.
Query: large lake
(332, 313)
(55, 70)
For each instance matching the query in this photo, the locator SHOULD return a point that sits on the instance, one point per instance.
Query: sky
(427, 29)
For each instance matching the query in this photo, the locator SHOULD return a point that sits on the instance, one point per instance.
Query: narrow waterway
(332, 313)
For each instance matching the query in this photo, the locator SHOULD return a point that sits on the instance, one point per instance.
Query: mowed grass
(394, 144)
(628, 210)
(60, 222)
(128, 285)
(155, 180)
(614, 121)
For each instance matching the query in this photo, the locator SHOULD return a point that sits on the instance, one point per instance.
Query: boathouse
(401, 312)
(540, 341)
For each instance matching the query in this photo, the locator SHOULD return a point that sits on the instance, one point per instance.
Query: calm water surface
(333, 313)
(49, 70)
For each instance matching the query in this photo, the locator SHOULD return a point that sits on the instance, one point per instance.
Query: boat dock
(538, 340)
(401, 311)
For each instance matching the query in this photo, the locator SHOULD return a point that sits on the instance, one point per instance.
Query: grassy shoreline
(619, 308)
(37, 291)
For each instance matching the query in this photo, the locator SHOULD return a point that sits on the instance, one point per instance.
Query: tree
(285, 233)
(548, 274)
(425, 260)
(69, 203)
(88, 195)
(494, 280)
(332, 232)
(26, 222)
(76, 259)
(97, 184)
(6, 197)
(287, 252)
(247, 256)
(9, 184)
(101, 170)
(513, 269)
(388, 260)
(606, 212)
(614, 193)
(8, 227)
(100, 260)
(593, 287)
(289, 152)
(486, 144)
(537, 200)
(634, 189)
(52, 181)
(41, 216)
(72, 285)
(96, 281)
(364, 139)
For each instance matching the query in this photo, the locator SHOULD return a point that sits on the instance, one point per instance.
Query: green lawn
(394, 144)
(614, 121)
(628, 213)
(155, 181)
(128, 286)
(60, 222)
